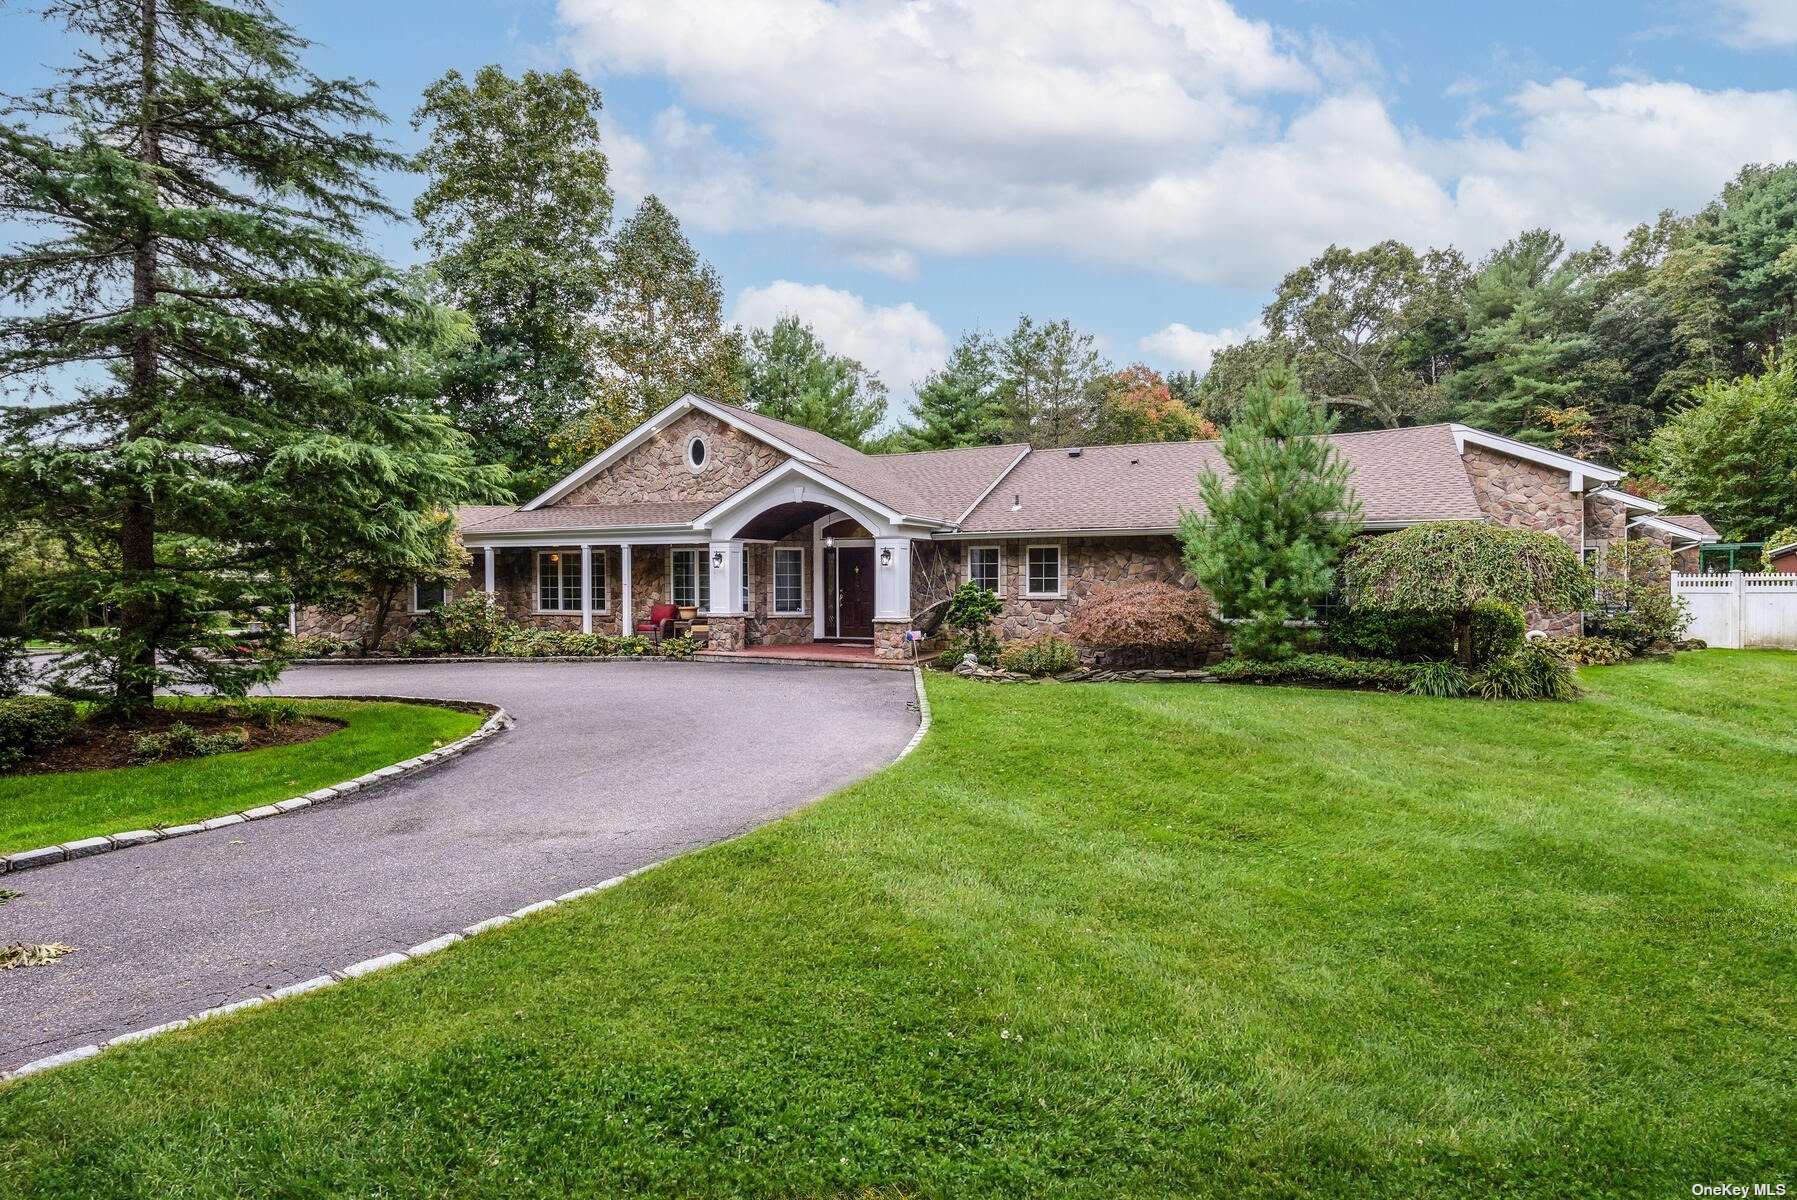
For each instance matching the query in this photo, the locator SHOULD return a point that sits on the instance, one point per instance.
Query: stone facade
(889, 640)
(1086, 565)
(657, 471)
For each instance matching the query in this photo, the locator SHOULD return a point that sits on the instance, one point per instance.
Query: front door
(855, 592)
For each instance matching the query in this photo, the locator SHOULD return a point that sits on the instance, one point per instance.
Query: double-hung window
(982, 567)
(692, 579)
(429, 595)
(789, 581)
(1044, 575)
(558, 580)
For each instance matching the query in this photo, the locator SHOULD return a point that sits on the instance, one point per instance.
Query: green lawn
(40, 810)
(1092, 941)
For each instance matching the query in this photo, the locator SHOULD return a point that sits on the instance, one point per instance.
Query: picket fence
(1739, 611)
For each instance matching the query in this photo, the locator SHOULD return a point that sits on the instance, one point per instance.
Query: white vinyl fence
(1738, 610)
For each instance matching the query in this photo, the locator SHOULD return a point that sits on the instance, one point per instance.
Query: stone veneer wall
(936, 571)
(766, 629)
(656, 471)
(1086, 565)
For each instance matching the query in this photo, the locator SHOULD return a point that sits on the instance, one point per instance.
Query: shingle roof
(1400, 475)
(586, 516)
(1691, 521)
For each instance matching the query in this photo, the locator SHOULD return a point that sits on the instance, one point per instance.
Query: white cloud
(1755, 24)
(899, 343)
(1194, 349)
(1169, 135)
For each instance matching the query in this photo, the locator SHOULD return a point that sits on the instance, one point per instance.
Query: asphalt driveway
(611, 766)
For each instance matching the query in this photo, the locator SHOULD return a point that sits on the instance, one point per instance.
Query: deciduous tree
(1732, 455)
(514, 214)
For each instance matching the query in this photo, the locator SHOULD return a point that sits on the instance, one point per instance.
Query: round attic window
(697, 453)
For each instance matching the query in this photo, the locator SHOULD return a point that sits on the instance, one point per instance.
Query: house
(1782, 559)
(785, 536)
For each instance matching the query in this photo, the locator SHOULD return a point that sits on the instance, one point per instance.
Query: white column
(726, 564)
(490, 551)
(626, 618)
(586, 587)
(892, 579)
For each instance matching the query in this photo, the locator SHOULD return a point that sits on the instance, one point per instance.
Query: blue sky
(899, 172)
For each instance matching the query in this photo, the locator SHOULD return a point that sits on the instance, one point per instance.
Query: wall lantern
(829, 543)
(886, 556)
(717, 558)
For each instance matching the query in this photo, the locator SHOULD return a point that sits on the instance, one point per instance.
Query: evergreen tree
(1048, 381)
(959, 404)
(1267, 543)
(661, 333)
(790, 376)
(1754, 226)
(222, 392)
(1527, 312)
(514, 214)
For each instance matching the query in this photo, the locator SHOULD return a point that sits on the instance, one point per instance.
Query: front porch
(833, 654)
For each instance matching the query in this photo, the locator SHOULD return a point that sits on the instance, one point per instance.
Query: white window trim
(536, 582)
(1060, 559)
(419, 608)
(697, 439)
(773, 583)
(997, 549)
(701, 570)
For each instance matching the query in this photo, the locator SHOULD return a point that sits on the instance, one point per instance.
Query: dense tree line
(1586, 351)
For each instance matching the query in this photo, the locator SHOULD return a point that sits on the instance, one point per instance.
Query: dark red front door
(855, 591)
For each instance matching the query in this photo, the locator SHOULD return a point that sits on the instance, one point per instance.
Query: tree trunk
(376, 628)
(139, 619)
(1463, 638)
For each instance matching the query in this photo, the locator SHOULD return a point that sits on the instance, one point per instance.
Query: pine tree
(1049, 374)
(790, 376)
(959, 404)
(1267, 543)
(661, 333)
(222, 392)
(514, 214)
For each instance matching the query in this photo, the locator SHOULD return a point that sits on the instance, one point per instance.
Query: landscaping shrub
(470, 624)
(1589, 651)
(1039, 656)
(1146, 615)
(970, 612)
(1649, 616)
(30, 724)
(1331, 669)
(1441, 679)
(1406, 634)
(677, 647)
(1498, 631)
(632, 646)
(15, 666)
(1533, 672)
(321, 645)
(182, 740)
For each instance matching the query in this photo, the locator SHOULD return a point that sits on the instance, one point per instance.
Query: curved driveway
(611, 766)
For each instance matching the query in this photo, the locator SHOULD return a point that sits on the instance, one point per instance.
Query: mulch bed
(97, 746)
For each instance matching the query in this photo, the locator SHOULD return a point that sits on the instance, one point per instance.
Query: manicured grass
(1088, 941)
(40, 810)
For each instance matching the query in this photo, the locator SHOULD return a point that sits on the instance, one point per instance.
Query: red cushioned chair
(661, 617)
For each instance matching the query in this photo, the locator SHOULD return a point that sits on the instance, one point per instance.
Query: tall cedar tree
(1266, 545)
(221, 389)
(661, 333)
(790, 376)
(959, 404)
(514, 214)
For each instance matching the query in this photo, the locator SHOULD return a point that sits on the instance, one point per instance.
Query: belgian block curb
(498, 720)
(369, 966)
